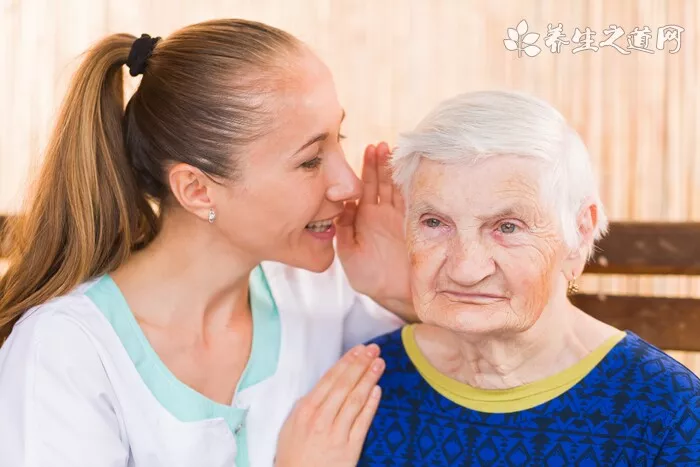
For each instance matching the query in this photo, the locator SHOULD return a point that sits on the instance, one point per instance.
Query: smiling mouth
(323, 225)
(320, 226)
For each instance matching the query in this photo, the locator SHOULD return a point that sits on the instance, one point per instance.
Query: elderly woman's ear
(586, 223)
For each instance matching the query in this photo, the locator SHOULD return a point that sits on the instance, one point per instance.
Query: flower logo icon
(522, 41)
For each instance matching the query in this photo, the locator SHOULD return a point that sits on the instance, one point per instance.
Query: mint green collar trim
(267, 332)
(180, 400)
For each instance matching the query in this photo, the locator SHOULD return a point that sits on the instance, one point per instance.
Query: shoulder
(402, 385)
(650, 364)
(393, 351)
(58, 350)
(55, 387)
(391, 342)
(669, 394)
(56, 333)
(647, 374)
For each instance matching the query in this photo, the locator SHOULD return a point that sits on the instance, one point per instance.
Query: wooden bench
(649, 248)
(636, 248)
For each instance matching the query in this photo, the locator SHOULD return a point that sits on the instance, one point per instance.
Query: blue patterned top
(636, 407)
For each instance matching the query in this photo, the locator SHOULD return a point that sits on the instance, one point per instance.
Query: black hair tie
(140, 52)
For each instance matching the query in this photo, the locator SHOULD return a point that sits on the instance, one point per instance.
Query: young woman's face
(294, 180)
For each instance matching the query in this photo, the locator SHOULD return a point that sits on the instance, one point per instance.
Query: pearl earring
(212, 216)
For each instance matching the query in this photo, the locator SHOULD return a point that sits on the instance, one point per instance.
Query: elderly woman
(502, 214)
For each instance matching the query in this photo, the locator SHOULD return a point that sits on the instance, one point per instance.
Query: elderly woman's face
(486, 254)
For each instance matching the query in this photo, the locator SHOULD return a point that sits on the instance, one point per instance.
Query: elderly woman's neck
(561, 338)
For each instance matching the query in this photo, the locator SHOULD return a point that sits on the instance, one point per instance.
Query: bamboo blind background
(393, 60)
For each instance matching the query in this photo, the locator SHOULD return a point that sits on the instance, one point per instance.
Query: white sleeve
(366, 320)
(56, 403)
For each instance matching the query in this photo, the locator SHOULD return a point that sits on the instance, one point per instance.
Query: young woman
(173, 295)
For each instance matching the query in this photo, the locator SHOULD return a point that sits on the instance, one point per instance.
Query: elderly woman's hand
(371, 240)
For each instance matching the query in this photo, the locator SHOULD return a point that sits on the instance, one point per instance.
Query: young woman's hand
(371, 241)
(328, 426)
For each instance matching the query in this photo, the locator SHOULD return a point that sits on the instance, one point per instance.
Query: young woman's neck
(562, 336)
(188, 279)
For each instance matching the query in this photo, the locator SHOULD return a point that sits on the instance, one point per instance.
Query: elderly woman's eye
(507, 227)
(432, 223)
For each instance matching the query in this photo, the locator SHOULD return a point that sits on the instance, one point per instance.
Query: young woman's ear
(191, 188)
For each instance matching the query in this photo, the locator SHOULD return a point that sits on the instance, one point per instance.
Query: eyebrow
(422, 207)
(316, 138)
(517, 210)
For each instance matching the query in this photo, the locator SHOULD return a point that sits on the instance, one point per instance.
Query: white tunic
(71, 396)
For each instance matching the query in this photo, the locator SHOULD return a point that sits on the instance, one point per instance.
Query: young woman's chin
(313, 257)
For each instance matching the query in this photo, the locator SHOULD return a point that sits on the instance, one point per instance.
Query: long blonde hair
(203, 97)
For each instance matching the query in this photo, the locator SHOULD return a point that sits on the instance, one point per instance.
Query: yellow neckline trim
(504, 400)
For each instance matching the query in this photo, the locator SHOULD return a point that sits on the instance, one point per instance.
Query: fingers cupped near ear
(345, 225)
(370, 176)
(347, 217)
(385, 182)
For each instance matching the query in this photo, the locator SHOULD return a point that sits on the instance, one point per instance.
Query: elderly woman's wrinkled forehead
(503, 184)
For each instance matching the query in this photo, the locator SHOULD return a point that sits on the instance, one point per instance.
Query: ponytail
(87, 212)
(198, 103)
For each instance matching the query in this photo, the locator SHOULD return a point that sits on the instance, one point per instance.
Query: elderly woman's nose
(343, 184)
(469, 263)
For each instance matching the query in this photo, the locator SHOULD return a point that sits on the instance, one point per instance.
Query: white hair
(474, 126)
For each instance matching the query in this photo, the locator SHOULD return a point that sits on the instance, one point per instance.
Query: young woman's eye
(312, 163)
(507, 228)
(432, 223)
(341, 137)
